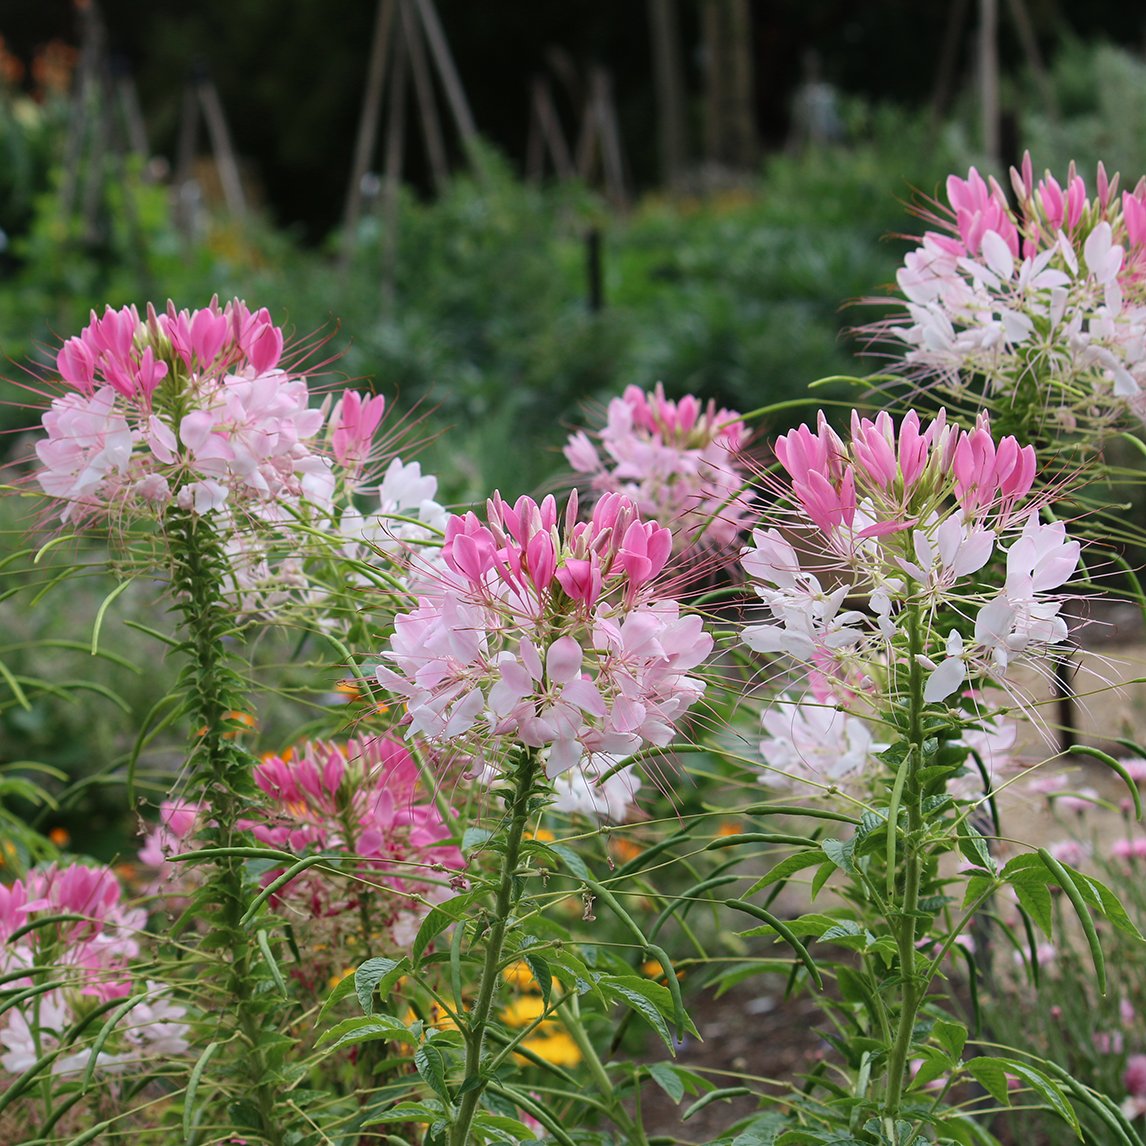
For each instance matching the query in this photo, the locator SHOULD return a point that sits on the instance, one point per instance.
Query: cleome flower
(677, 461)
(191, 409)
(88, 938)
(904, 521)
(1046, 303)
(546, 637)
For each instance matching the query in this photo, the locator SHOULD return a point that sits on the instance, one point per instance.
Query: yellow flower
(524, 1010)
(556, 1047)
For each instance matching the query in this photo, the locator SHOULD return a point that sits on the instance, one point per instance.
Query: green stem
(220, 771)
(508, 893)
(904, 921)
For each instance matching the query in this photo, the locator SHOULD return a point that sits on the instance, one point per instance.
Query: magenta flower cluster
(677, 461)
(1053, 293)
(91, 950)
(547, 637)
(193, 409)
(904, 518)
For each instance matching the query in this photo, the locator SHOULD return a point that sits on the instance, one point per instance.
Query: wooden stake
(225, 159)
(550, 133)
(395, 150)
(424, 90)
(665, 35)
(451, 82)
(368, 120)
(989, 77)
(1030, 43)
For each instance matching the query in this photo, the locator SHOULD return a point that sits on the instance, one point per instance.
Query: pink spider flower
(92, 945)
(360, 803)
(548, 636)
(906, 516)
(1043, 304)
(677, 461)
(193, 409)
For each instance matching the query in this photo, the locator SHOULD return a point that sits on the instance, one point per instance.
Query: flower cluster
(90, 948)
(548, 638)
(358, 800)
(904, 520)
(676, 461)
(192, 409)
(1046, 303)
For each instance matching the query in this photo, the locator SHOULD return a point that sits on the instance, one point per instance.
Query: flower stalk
(220, 773)
(523, 778)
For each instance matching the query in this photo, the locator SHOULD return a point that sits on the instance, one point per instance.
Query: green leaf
(827, 870)
(407, 1112)
(991, 1075)
(668, 1080)
(431, 1065)
(542, 975)
(935, 1064)
(375, 976)
(839, 852)
(787, 867)
(1048, 1090)
(439, 918)
(951, 1036)
(651, 1001)
(714, 1096)
(1030, 879)
(473, 839)
(1103, 900)
(365, 1028)
(974, 847)
(572, 861)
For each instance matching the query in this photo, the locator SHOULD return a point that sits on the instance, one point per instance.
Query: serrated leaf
(668, 1080)
(1034, 895)
(934, 1065)
(431, 1065)
(377, 975)
(839, 852)
(826, 871)
(343, 988)
(502, 1127)
(1103, 900)
(951, 1036)
(974, 848)
(542, 975)
(1047, 1089)
(407, 1112)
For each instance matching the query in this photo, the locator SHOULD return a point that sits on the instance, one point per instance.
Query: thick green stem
(905, 918)
(220, 772)
(508, 893)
